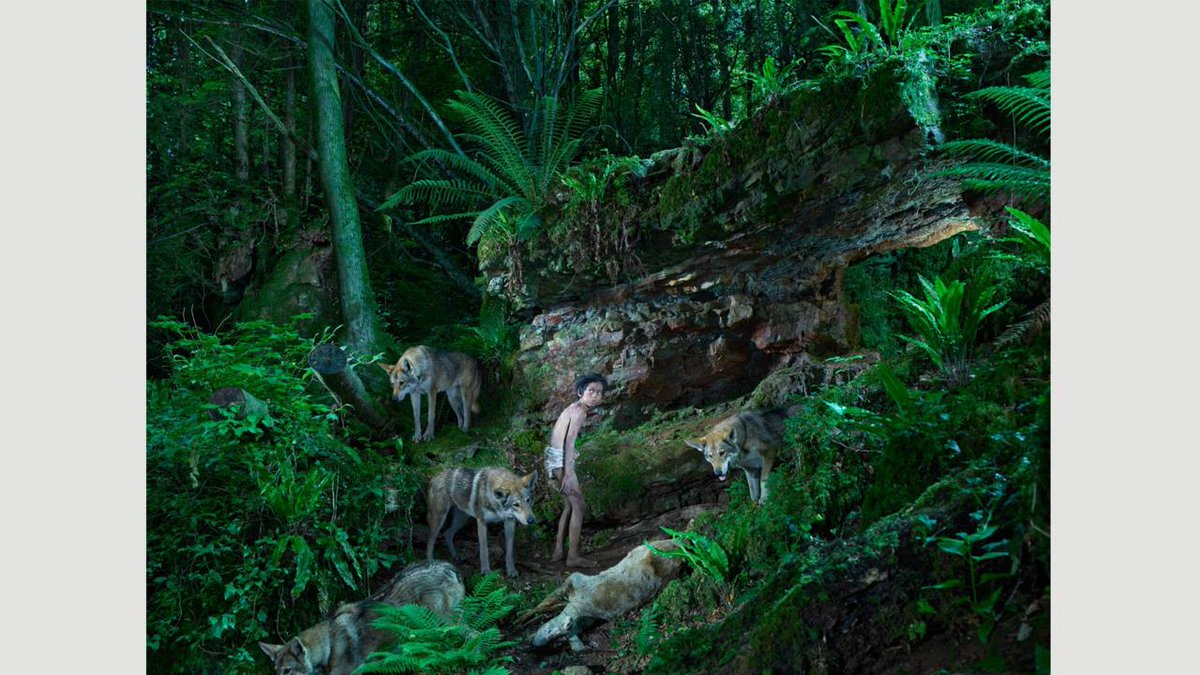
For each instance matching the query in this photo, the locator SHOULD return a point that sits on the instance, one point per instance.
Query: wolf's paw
(511, 572)
(576, 561)
(427, 436)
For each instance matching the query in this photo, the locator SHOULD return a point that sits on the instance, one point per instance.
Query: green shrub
(255, 527)
(423, 642)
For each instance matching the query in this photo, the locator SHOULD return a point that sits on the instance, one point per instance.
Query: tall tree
(354, 283)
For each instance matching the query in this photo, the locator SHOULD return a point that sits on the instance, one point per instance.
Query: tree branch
(229, 65)
(447, 46)
(358, 39)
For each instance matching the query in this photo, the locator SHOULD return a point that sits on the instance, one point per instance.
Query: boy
(560, 464)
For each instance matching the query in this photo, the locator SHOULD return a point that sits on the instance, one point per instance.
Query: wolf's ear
(529, 481)
(405, 366)
(298, 649)
(385, 366)
(695, 445)
(735, 435)
(270, 650)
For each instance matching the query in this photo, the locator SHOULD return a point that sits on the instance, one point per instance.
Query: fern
(946, 321)
(648, 629)
(1034, 323)
(700, 552)
(504, 187)
(1035, 239)
(425, 642)
(1002, 167)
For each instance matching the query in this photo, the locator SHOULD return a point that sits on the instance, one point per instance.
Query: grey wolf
(422, 370)
(340, 644)
(489, 495)
(587, 599)
(560, 458)
(747, 440)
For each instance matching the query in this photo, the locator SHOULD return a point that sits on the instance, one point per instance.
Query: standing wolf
(489, 495)
(747, 440)
(422, 370)
(341, 643)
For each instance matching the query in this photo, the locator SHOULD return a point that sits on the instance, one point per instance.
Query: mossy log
(329, 361)
(246, 403)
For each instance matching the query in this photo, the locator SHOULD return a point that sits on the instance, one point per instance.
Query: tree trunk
(354, 284)
(241, 113)
(289, 150)
(330, 363)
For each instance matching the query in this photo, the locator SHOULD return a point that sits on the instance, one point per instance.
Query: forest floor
(608, 649)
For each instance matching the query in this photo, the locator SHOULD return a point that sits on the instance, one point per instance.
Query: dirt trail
(538, 576)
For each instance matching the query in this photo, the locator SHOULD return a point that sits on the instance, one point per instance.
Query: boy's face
(592, 395)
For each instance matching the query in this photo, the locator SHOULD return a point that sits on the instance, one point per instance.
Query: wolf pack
(747, 440)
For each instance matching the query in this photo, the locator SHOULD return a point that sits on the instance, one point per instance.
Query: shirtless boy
(560, 464)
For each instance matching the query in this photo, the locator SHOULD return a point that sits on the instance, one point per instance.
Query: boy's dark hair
(582, 383)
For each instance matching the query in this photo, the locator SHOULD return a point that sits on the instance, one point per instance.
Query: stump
(245, 402)
(329, 361)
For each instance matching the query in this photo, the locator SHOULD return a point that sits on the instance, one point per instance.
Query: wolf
(422, 370)
(340, 644)
(491, 494)
(749, 441)
(629, 584)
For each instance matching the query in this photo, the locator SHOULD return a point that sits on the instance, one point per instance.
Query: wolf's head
(721, 447)
(515, 497)
(405, 376)
(289, 659)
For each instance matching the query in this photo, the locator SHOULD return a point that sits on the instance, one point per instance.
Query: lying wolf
(341, 643)
(489, 495)
(629, 584)
(422, 370)
(748, 441)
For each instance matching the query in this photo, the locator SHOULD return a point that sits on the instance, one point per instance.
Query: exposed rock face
(302, 281)
(796, 194)
(711, 328)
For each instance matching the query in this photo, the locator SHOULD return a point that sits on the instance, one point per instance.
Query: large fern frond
(497, 133)
(439, 193)
(1034, 323)
(1030, 184)
(488, 602)
(985, 150)
(457, 163)
(488, 220)
(1028, 105)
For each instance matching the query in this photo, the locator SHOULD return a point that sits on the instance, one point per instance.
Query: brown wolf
(629, 584)
(489, 495)
(422, 370)
(747, 440)
(341, 643)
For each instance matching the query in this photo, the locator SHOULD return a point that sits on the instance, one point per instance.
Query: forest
(804, 245)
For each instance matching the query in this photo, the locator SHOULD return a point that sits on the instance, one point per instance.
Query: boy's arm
(570, 481)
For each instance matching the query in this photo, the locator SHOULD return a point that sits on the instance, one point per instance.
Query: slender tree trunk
(631, 76)
(241, 115)
(289, 149)
(612, 55)
(354, 284)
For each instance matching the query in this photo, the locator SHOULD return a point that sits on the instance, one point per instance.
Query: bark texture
(354, 284)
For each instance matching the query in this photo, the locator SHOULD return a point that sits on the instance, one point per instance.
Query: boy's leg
(555, 478)
(562, 531)
(573, 557)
